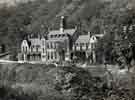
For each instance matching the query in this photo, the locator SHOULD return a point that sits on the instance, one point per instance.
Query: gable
(25, 43)
(93, 39)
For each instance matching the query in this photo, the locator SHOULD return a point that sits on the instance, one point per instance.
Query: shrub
(78, 84)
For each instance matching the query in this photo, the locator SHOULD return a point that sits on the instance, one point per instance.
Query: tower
(62, 24)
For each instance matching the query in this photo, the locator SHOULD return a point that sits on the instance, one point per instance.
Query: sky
(12, 2)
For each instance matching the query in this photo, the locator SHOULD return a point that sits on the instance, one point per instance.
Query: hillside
(38, 16)
(40, 80)
(46, 82)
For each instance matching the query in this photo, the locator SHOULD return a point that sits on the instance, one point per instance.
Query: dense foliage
(7, 93)
(97, 16)
(78, 84)
(48, 82)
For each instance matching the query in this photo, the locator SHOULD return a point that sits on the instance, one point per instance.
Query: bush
(78, 84)
(7, 93)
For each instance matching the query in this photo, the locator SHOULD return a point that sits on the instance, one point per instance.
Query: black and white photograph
(67, 49)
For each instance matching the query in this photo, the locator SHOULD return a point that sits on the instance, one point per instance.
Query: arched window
(26, 49)
(75, 47)
(23, 49)
(48, 56)
(51, 45)
(55, 55)
(36, 48)
(48, 45)
(43, 50)
(80, 46)
(87, 46)
(51, 55)
(54, 46)
(31, 48)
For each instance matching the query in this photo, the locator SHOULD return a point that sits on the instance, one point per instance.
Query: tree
(78, 84)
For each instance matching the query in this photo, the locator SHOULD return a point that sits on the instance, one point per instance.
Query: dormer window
(59, 35)
(63, 35)
(51, 36)
(55, 36)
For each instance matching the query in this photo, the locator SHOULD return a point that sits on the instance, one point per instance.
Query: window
(92, 46)
(74, 47)
(43, 56)
(23, 49)
(55, 36)
(54, 45)
(43, 50)
(31, 48)
(51, 55)
(87, 46)
(59, 35)
(55, 54)
(48, 56)
(80, 46)
(51, 45)
(93, 38)
(26, 49)
(47, 45)
(36, 48)
(63, 35)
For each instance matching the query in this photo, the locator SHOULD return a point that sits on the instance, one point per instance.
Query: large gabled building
(60, 45)
(57, 46)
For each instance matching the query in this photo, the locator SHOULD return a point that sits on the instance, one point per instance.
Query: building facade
(85, 47)
(56, 46)
(60, 45)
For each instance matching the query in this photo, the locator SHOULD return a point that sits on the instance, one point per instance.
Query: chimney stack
(89, 33)
(62, 24)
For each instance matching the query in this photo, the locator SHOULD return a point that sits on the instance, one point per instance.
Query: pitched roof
(57, 39)
(83, 39)
(66, 31)
(99, 35)
(35, 41)
(87, 38)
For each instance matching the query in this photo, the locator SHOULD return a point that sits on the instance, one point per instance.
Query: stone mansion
(59, 45)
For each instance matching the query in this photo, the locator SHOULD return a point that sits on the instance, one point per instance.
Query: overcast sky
(12, 2)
